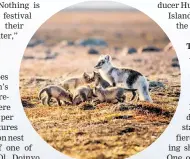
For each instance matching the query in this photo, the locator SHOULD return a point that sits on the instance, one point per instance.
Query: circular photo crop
(100, 80)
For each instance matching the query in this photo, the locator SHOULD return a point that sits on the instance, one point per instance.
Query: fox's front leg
(113, 82)
(134, 95)
(59, 102)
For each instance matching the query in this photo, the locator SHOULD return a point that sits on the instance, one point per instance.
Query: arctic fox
(111, 94)
(82, 94)
(99, 81)
(75, 82)
(56, 92)
(130, 78)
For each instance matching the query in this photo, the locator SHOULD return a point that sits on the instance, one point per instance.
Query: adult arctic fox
(130, 78)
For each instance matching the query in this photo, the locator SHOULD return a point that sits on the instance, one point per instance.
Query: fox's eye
(102, 62)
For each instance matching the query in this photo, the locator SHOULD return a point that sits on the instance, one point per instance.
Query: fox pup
(75, 82)
(99, 81)
(82, 93)
(111, 94)
(56, 92)
(130, 78)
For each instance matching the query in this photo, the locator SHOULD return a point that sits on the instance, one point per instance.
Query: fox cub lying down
(112, 94)
(56, 92)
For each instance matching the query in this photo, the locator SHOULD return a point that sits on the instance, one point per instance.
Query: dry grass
(103, 131)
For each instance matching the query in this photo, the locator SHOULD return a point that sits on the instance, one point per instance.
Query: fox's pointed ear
(108, 58)
(94, 72)
(85, 74)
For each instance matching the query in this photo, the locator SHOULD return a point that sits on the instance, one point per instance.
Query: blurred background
(116, 23)
(71, 41)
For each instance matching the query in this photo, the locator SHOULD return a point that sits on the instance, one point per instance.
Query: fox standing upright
(130, 78)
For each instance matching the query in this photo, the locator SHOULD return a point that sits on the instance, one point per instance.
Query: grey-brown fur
(83, 93)
(75, 82)
(132, 76)
(56, 92)
(99, 81)
(77, 100)
(112, 94)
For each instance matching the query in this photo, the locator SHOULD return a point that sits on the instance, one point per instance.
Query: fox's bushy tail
(40, 93)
